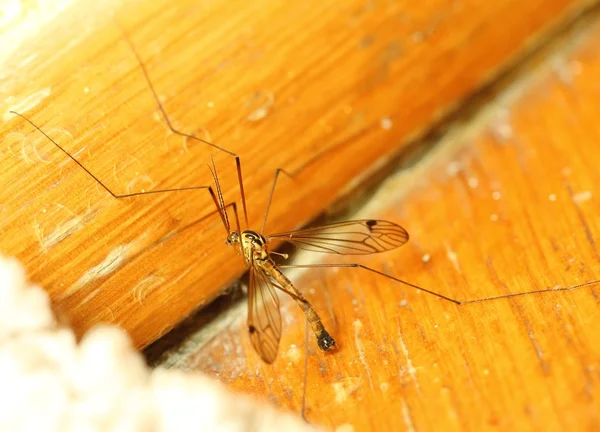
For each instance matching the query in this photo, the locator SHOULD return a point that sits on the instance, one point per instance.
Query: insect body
(264, 325)
(356, 237)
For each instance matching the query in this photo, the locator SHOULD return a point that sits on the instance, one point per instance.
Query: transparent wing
(264, 318)
(358, 237)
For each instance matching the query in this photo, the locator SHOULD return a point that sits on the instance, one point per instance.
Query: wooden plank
(277, 83)
(506, 203)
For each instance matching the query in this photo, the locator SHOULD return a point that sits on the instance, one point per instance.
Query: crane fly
(356, 237)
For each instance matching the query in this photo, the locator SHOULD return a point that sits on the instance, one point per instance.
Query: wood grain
(275, 82)
(506, 203)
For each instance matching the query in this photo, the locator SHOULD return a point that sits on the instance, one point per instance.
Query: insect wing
(264, 317)
(358, 237)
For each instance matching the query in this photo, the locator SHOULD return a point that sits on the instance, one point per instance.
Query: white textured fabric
(48, 382)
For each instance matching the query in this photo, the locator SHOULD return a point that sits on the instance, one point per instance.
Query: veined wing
(264, 317)
(358, 237)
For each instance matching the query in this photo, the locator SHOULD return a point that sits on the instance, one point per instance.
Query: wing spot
(251, 329)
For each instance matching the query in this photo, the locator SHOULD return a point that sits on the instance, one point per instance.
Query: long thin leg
(235, 212)
(238, 163)
(235, 156)
(121, 196)
(324, 339)
(458, 302)
(306, 340)
(293, 174)
(277, 171)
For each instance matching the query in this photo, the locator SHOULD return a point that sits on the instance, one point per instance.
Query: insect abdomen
(324, 339)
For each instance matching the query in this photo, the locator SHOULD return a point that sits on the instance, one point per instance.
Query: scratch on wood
(168, 236)
(27, 103)
(322, 366)
(589, 381)
(263, 110)
(412, 371)
(90, 296)
(445, 391)
(111, 313)
(62, 231)
(582, 196)
(501, 127)
(178, 278)
(566, 70)
(538, 349)
(111, 263)
(346, 427)
(207, 137)
(141, 290)
(135, 181)
(293, 354)
(37, 153)
(407, 417)
(581, 216)
(24, 142)
(358, 325)
(346, 387)
(453, 257)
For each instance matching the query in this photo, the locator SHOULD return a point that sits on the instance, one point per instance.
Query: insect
(345, 238)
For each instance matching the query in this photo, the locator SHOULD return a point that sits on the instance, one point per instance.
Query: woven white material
(49, 382)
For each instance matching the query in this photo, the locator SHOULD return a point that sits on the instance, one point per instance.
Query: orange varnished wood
(276, 82)
(506, 203)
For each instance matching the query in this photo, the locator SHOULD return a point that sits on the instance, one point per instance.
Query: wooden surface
(507, 202)
(275, 82)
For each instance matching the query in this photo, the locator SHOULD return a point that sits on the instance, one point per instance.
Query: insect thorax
(253, 244)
